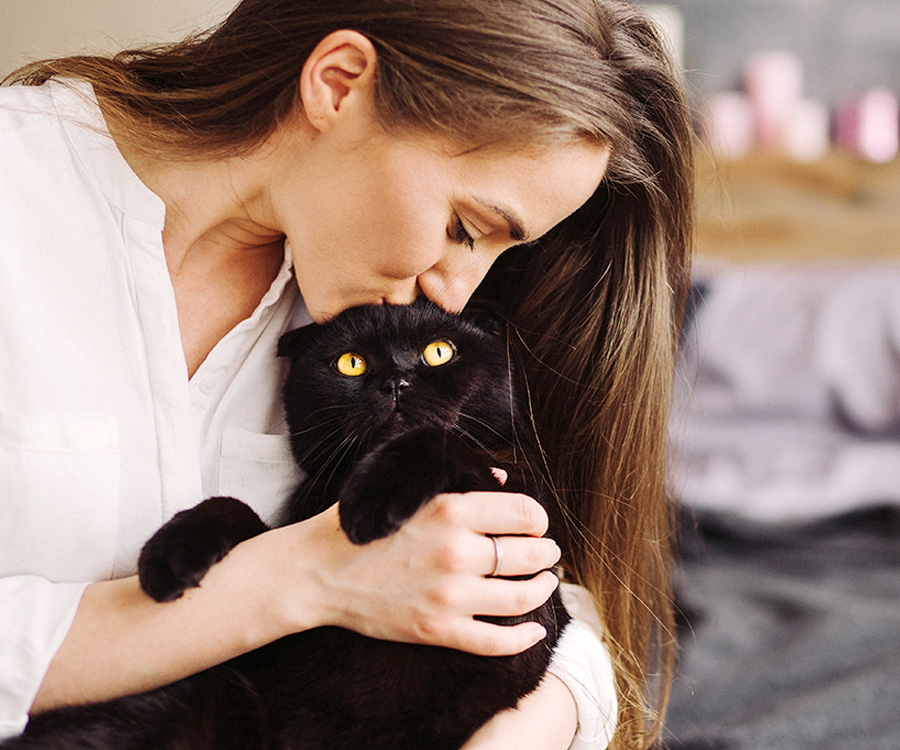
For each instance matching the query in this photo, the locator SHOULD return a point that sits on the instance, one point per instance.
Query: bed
(786, 462)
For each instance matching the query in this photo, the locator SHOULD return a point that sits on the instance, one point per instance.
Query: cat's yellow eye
(438, 353)
(351, 365)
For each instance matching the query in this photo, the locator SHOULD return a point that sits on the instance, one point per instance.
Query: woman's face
(384, 219)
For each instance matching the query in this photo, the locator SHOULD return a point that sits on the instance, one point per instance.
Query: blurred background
(34, 29)
(786, 429)
(785, 434)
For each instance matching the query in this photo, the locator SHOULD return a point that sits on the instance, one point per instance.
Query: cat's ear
(486, 314)
(292, 342)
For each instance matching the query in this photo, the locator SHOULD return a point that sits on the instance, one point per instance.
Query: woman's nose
(450, 287)
(402, 293)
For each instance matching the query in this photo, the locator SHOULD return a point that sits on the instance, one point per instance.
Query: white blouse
(102, 435)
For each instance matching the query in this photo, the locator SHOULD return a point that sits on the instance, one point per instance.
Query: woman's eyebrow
(517, 229)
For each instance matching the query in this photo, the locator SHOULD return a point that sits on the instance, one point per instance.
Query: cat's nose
(394, 386)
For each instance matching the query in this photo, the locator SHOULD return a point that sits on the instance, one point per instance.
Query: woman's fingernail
(540, 632)
(499, 474)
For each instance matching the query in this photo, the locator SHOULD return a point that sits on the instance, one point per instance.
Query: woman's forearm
(122, 642)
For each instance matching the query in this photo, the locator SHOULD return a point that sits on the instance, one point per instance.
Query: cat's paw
(178, 555)
(394, 481)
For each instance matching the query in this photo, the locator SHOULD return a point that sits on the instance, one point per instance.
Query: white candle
(728, 126)
(774, 83)
(805, 132)
(670, 22)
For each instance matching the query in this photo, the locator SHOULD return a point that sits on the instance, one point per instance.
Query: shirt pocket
(59, 490)
(258, 469)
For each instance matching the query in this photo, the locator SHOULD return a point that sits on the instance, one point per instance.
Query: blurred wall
(848, 46)
(34, 29)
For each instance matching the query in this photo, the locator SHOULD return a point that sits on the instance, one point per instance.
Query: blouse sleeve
(35, 616)
(582, 662)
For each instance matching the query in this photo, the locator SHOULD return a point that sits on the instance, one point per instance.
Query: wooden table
(765, 208)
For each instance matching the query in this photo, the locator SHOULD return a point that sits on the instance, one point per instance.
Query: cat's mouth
(392, 417)
(399, 419)
(385, 428)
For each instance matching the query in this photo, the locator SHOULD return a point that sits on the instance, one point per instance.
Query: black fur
(384, 443)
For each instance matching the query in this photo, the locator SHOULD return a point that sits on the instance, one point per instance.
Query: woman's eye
(438, 353)
(459, 234)
(351, 365)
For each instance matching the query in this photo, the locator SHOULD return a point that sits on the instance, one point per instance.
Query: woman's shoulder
(33, 112)
(21, 106)
(30, 127)
(32, 138)
(46, 134)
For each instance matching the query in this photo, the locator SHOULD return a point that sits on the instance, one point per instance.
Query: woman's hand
(425, 582)
(547, 719)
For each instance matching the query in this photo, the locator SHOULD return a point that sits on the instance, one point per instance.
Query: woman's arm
(422, 584)
(122, 642)
(544, 720)
(578, 692)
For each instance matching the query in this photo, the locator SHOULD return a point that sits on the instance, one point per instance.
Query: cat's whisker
(338, 456)
(314, 425)
(325, 455)
(335, 452)
(471, 438)
(323, 439)
(463, 418)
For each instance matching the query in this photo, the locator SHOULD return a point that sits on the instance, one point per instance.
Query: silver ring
(498, 557)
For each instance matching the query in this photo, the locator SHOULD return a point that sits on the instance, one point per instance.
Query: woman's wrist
(285, 571)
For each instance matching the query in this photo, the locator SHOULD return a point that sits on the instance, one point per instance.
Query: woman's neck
(218, 204)
(222, 245)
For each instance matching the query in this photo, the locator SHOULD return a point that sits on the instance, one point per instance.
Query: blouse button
(208, 385)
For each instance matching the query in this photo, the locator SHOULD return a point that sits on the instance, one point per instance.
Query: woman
(379, 151)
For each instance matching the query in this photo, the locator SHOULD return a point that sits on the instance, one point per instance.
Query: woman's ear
(338, 79)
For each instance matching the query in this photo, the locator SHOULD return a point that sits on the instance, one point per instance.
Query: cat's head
(375, 371)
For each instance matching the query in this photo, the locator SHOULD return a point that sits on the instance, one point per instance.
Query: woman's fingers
(502, 598)
(487, 639)
(445, 619)
(471, 552)
(519, 555)
(512, 527)
(491, 512)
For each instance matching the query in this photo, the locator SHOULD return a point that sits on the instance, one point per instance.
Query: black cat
(387, 406)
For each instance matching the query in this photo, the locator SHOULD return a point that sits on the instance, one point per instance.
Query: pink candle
(870, 125)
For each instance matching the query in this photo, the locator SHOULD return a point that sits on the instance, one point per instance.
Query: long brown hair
(595, 305)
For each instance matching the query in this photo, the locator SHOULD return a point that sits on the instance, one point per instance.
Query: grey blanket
(791, 634)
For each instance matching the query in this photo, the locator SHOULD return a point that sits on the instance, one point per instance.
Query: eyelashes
(459, 234)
